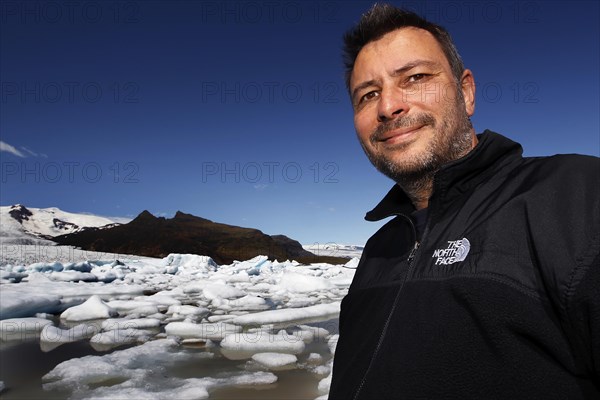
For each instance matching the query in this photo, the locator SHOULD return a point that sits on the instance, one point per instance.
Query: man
(486, 284)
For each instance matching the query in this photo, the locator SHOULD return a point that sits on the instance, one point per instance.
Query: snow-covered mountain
(23, 225)
(334, 249)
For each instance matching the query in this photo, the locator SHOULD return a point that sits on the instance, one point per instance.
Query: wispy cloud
(11, 149)
(33, 153)
(261, 186)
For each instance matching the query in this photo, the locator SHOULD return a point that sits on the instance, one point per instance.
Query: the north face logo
(456, 251)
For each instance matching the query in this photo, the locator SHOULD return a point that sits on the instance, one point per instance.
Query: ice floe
(92, 308)
(239, 346)
(173, 311)
(22, 328)
(290, 316)
(139, 372)
(51, 336)
(275, 361)
(212, 331)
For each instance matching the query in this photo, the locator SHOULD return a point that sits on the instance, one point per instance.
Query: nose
(392, 104)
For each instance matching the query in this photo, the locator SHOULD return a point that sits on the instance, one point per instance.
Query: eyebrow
(406, 67)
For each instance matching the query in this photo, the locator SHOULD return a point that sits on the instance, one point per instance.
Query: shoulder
(563, 180)
(565, 167)
(561, 195)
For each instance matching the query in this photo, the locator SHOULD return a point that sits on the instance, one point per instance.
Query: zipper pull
(413, 252)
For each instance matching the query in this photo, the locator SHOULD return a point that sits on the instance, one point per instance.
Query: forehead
(395, 49)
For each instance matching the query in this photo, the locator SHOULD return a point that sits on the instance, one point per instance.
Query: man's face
(410, 114)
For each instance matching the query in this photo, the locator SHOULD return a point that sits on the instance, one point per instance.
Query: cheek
(363, 127)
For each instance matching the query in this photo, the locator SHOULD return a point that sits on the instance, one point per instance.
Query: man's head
(411, 95)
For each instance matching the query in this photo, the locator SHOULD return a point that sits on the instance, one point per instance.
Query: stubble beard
(452, 140)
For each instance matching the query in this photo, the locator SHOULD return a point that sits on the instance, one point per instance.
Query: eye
(368, 96)
(417, 77)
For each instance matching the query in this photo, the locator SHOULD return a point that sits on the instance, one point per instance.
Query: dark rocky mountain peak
(20, 213)
(181, 216)
(145, 216)
(64, 225)
(150, 236)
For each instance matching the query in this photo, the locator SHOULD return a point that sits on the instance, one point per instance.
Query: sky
(237, 111)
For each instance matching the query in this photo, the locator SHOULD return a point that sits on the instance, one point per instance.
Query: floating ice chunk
(353, 263)
(254, 266)
(332, 342)
(276, 361)
(104, 276)
(10, 276)
(187, 310)
(93, 308)
(161, 299)
(105, 341)
(180, 389)
(262, 287)
(149, 270)
(214, 291)
(250, 303)
(287, 317)
(322, 370)
(45, 267)
(119, 365)
(130, 323)
(176, 293)
(22, 328)
(195, 287)
(309, 334)
(301, 301)
(188, 264)
(136, 372)
(213, 331)
(145, 311)
(51, 337)
(83, 266)
(301, 283)
(240, 277)
(239, 346)
(127, 306)
(17, 303)
(325, 384)
(73, 276)
(314, 359)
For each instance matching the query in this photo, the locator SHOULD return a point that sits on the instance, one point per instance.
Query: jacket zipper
(411, 257)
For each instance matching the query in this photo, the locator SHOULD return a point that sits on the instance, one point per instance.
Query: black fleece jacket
(499, 300)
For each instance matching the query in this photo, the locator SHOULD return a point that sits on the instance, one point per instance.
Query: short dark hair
(384, 18)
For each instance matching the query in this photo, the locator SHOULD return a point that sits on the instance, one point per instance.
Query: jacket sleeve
(583, 308)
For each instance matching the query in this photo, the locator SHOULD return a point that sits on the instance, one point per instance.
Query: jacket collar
(493, 151)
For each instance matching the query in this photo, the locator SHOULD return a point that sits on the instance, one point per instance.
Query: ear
(467, 85)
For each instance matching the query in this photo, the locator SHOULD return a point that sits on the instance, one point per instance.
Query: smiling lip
(399, 134)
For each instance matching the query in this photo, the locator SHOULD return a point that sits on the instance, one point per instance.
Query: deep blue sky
(237, 111)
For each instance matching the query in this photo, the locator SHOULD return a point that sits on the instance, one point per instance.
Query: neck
(418, 190)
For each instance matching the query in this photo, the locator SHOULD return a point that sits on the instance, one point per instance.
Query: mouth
(397, 135)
